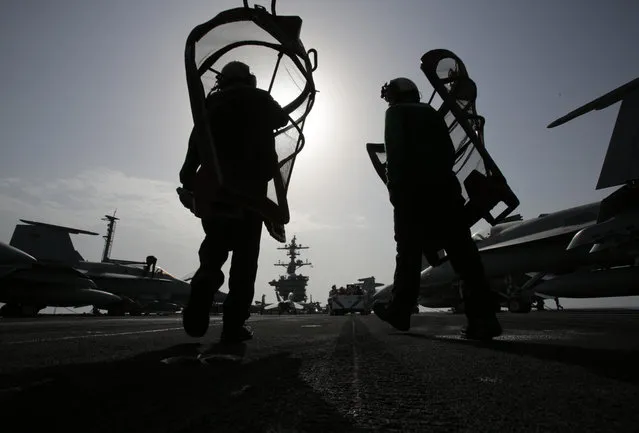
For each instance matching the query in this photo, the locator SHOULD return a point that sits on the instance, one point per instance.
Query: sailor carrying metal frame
(271, 45)
(483, 185)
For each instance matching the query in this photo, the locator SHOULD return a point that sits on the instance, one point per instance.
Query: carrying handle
(312, 54)
(246, 5)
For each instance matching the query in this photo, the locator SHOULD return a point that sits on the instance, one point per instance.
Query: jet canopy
(483, 185)
(159, 272)
(270, 44)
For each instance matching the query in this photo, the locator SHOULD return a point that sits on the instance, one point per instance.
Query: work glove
(276, 231)
(186, 198)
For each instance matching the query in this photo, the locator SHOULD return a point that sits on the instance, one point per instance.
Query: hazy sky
(95, 116)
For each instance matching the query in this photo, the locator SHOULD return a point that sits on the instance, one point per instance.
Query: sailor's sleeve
(191, 161)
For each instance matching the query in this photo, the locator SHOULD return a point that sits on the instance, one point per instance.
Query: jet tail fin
(621, 164)
(616, 223)
(47, 242)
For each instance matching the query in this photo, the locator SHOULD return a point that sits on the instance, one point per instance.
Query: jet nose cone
(12, 256)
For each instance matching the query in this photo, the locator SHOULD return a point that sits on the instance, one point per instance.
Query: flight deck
(571, 370)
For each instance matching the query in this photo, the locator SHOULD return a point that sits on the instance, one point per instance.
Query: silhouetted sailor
(428, 210)
(243, 119)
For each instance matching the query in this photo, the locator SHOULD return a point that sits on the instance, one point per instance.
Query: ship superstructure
(292, 286)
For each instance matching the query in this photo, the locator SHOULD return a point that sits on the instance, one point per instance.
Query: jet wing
(619, 230)
(8, 269)
(540, 236)
(280, 304)
(123, 276)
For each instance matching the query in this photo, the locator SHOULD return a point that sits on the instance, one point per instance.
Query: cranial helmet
(234, 73)
(400, 90)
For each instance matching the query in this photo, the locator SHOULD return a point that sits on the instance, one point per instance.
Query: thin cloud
(149, 209)
(153, 220)
(308, 222)
(360, 222)
(143, 200)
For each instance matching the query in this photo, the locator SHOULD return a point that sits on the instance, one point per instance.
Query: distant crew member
(419, 164)
(243, 119)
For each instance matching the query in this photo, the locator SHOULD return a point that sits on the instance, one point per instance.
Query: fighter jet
(582, 252)
(286, 306)
(521, 255)
(27, 286)
(136, 284)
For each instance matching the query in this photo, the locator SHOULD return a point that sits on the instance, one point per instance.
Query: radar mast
(291, 286)
(108, 239)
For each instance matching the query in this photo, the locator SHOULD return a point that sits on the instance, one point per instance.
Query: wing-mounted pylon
(270, 44)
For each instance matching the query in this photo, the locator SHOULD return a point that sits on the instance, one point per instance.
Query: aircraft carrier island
(292, 286)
